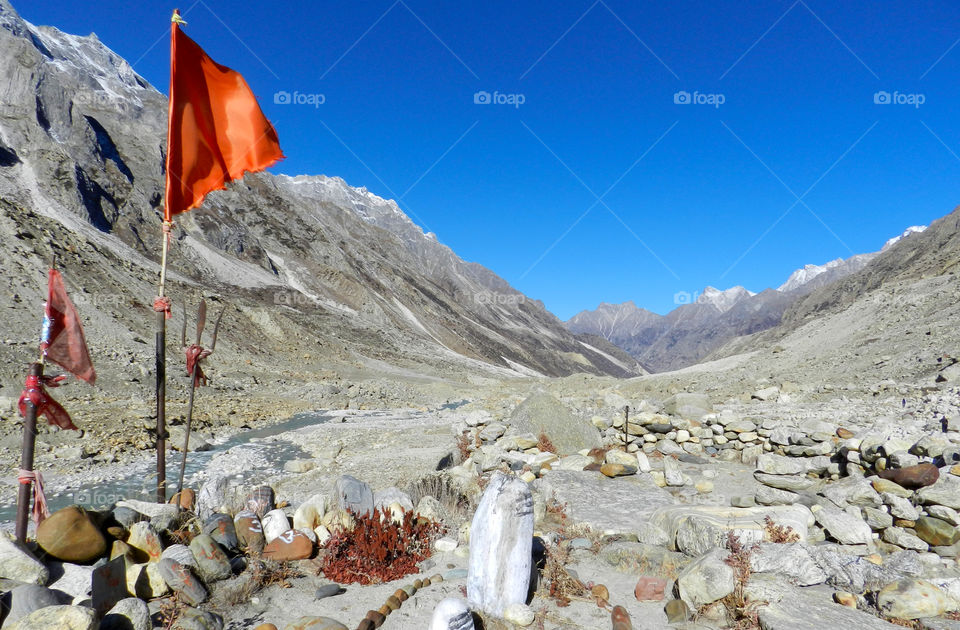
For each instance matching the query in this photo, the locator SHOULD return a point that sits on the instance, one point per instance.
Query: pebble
(618, 470)
(619, 619)
(650, 589)
(328, 590)
(445, 544)
(520, 614)
(451, 614)
(315, 623)
(845, 599)
(676, 611)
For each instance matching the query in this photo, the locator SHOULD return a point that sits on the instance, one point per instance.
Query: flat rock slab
(695, 529)
(614, 506)
(812, 609)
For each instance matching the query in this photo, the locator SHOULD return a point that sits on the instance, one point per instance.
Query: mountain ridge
(708, 320)
(304, 261)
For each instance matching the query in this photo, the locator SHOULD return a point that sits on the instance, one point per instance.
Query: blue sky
(599, 186)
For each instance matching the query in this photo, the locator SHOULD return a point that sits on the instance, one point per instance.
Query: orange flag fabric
(216, 130)
(63, 341)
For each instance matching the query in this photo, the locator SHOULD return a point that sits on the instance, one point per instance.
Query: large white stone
(310, 513)
(501, 541)
(844, 527)
(275, 523)
(706, 579)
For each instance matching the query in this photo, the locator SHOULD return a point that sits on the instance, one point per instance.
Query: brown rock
(618, 470)
(365, 624)
(845, 599)
(650, 589)
(71, 535)
(677, 611)
(117, 531)
(393, 603)
(385, 610)
(266, 626)
(401, 595)
(290, 545)
(601, 594)
(186, 499)
(844, 434)
(913, 477)
(936, 532)
(592, 466)
(376, 618)
(620, 619)
(955, 470)
(249, 532)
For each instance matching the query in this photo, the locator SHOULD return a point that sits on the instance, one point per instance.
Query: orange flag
(62, 340)
(216, 130)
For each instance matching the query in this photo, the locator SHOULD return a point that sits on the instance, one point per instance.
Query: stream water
(140, 480)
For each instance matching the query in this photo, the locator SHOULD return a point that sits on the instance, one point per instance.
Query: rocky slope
(315, 274)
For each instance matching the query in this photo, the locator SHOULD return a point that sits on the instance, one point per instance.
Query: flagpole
(161, 306)
(26, 459)
(29, 443)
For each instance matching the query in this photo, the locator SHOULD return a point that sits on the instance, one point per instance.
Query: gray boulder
(542, 413)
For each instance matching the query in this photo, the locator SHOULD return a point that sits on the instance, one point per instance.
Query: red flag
(63, 341)
(216, 130)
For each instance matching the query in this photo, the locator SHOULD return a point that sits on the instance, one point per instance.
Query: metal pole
(626, 423)
(26, 460)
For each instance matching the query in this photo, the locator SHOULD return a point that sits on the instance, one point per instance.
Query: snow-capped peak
(723, 300)
(802, 276)
(913, 229)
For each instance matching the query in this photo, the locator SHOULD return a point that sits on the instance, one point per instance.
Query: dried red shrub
(378, 550)
(544, 443)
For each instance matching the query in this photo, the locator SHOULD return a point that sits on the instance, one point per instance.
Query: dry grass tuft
(260, 574)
